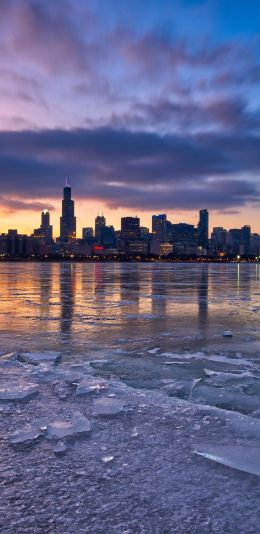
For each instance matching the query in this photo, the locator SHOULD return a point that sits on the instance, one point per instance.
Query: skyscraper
(203, 229)
(45, 225)
(100, 222)
(87, 233)
(159, 227)
(67, 220)
(45, 230)
(108, 236)
(218, 240)
(45, 219)
(246, 239)
(130, 228)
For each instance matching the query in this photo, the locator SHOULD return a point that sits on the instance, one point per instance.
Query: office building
(245, 240)
(130, 228)
(159, 227)
(68, 219)
(100, 222)
(108, 236)
(203, 229)
(87, 233)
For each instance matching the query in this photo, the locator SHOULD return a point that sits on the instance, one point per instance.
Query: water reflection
(67, 279)
(45, 289)
(98, 305)
(203, 290)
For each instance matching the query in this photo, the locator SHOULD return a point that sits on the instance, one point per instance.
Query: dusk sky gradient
(148, 106)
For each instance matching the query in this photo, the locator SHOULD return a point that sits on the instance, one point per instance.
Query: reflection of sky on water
(84, 307)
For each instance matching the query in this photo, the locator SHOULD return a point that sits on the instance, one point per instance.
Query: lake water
(154, 326)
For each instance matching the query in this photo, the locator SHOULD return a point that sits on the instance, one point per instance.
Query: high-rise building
(218, 242)
(203, 229)
(130, 228)
(108, 236)
(144, 232)
(159, 227)
(45, 230)
(234, 238)
(168, 232)
(182, 233)
(87, 233)
(246, 240)
(183, 239)
(45, 219)
(67, 220)
(45, 225)
(100, 222)
(255, 244)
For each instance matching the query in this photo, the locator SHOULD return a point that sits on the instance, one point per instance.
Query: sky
(147, 106)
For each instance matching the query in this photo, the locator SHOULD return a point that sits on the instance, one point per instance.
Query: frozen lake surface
(189, 330)
(130, 398)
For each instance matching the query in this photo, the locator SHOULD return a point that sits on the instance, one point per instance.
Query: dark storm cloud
(132, 169)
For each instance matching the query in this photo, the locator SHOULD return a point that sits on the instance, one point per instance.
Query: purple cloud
(132, 169)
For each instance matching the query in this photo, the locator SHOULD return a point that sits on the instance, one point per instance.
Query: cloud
(9, 205)
(127, 102)
(132, 169)
(44, 36)
(218, 114)
(61, 59)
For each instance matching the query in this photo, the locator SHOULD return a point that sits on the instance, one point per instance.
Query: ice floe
(108, 406)
(60, 429)
(227, 333)
(18, 392)
(90, 384)
(28, 434)
(60, 448)
(35, 358)
(242, 457)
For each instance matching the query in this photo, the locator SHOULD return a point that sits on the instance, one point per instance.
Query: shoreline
(103, 260)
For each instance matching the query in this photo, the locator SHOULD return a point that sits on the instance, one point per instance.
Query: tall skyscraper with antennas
(67, 220)
(100, 223)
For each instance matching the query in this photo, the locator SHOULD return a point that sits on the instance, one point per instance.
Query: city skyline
(70, 229)
(148, 108)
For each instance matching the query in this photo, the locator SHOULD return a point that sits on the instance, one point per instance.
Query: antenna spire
(67, 182)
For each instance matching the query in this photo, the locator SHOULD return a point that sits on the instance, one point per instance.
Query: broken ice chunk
(60, 448)
(8, 356)
(17, 392)
(256, 413)
(220, 379)
(227, 333)
(244, 458)
(90, 384)
(62, 390)
(107, 459)
(224, 398)
(243, 425)
(107, 406)
(62, 429)
(35, 358)
(26, 435)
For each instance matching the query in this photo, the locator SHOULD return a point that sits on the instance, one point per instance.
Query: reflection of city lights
(238, 275)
